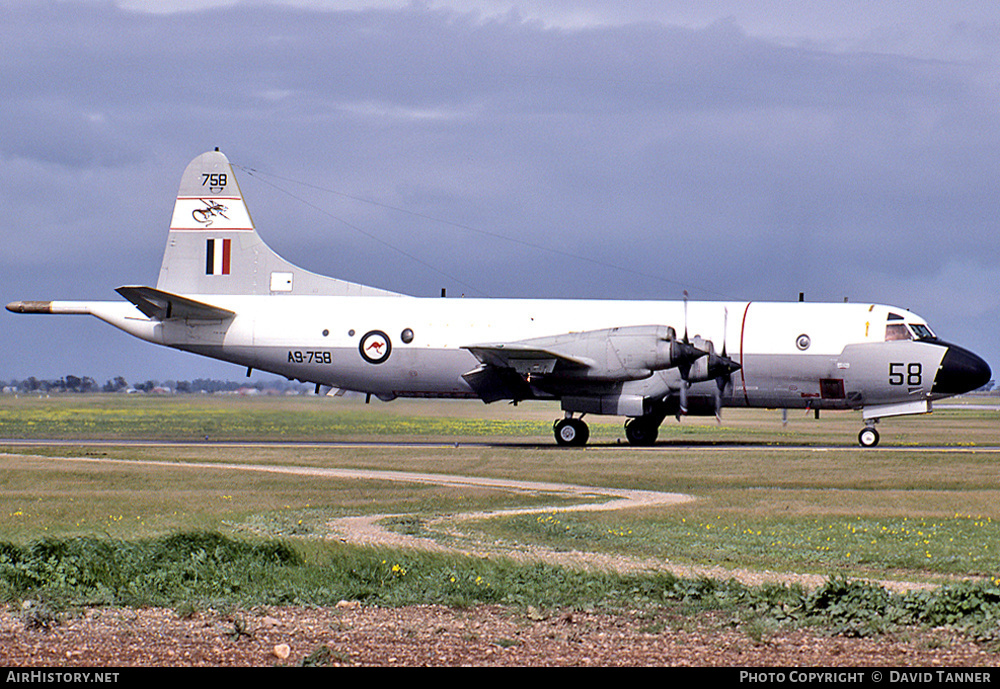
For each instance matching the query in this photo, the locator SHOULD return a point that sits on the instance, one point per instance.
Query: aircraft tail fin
(213, 247)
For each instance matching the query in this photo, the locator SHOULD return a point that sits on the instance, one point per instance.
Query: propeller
(685, 354)
(722, 368)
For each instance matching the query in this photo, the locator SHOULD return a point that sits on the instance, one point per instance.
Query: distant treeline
(86, 384)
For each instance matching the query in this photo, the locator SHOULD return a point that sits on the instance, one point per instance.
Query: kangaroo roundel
(375, 347)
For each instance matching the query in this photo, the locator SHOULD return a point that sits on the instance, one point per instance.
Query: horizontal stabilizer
(162, 306)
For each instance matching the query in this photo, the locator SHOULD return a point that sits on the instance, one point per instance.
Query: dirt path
(368, 529)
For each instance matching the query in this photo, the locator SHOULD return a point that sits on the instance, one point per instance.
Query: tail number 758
(906, 374)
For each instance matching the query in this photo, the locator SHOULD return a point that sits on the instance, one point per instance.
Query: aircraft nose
(960, 371)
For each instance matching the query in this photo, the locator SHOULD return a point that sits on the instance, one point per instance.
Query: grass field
(90, 516)
(228, 417)
(799, 496)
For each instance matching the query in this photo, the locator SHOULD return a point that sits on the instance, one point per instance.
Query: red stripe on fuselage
(743, 369)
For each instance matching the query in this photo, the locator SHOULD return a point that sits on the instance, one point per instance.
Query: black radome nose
(961, 371)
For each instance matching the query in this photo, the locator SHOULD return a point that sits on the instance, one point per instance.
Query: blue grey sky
(546, 149)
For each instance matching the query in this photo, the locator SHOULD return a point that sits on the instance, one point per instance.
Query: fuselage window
(922, 331)
(896, 331)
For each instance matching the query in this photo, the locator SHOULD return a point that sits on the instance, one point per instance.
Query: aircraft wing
(570, 363)
(594, 362)
(507, 368)
(526, 359)
(162, 306)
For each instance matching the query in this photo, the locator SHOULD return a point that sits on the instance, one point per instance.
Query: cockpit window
(897, 331)
(908, 331)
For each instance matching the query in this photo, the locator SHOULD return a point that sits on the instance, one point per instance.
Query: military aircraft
(223, 293)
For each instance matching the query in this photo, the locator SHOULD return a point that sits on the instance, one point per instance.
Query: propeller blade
(724, 366)
(685, 316)
(725, 329)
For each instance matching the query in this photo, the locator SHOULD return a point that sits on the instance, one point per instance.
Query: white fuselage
(791, 354)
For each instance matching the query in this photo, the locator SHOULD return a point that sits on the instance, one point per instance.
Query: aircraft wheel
(641, 433)
(868, 437)
(571, 432)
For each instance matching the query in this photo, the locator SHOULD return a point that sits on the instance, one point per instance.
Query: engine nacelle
(645, 348)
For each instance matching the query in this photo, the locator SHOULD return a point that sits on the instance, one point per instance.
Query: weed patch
(189, 570)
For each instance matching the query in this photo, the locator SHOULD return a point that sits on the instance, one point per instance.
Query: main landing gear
(641, 432)
(868, 437)
(571, 432)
